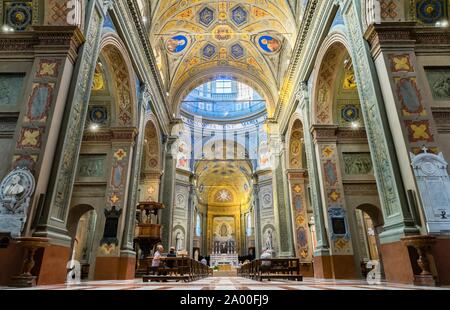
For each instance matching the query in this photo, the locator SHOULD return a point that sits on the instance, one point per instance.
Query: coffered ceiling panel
(196, 40)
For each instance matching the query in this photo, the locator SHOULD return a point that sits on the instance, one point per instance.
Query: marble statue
(179, 241)
(269, 240)
(15, 192)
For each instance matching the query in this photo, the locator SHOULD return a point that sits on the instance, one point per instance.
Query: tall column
(190, 229)
(127, 253)
(281, 197)
(332, 191)
(242, 246)
(322, 265)
(404, 79)
(168, 191)
(257, 219)
(382, 117)
(108, 264)
(63, 72)
(298, 190)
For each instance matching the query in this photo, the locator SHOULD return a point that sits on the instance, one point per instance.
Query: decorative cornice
(324, 133)
(404, 34)
(112, 135)
(297, 174)
(64, 40)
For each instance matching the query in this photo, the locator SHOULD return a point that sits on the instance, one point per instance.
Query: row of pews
(176, 269)
(275, 268)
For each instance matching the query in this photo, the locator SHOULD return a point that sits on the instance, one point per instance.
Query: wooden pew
(275, 268)
(177, 269)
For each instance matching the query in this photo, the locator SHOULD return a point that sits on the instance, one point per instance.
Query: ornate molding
(55, 39)
(324, 133)
(406, 33)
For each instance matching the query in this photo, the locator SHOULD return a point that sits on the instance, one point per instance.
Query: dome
(224, 99)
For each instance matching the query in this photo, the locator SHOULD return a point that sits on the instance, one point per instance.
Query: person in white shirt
(266, 254)
(156, 261)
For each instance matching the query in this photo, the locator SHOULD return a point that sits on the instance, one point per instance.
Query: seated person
(265, 265)
(204, 261)
(172, 253)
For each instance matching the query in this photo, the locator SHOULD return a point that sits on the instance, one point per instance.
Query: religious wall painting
(91, 166)
(349, 80)
(30, 138)
(206, 16)
(269, 44)
(48, 68)
(439, 81)
(18, 14)
(239, 15)
(183, 156)
(431, 11)
(419, 131)
(302, 237)
(10, 84)
(330, 173)
(99, 82)
(177, 44)
(98, 115)
(118, 176)
(401, 63)
(409, 96)
(39, 103)
(298, 203)
(357, 163)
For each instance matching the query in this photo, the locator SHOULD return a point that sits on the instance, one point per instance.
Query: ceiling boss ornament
(223, 196)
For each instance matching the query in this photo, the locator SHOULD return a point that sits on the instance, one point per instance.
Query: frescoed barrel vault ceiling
(196, 41)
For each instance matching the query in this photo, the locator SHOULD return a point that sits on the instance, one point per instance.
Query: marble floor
(233, 283)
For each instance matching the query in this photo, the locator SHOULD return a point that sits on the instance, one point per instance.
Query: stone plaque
(434, 186)
(10, 88)
(357, 163)
(439, 79)
(91, 166)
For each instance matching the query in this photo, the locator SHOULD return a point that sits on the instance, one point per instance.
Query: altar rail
(275, 268)
(176, 268)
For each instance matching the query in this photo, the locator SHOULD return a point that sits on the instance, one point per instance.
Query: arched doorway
(298, 178)
(369, 221)
(344, 158)
(103, 178)
(82, 228)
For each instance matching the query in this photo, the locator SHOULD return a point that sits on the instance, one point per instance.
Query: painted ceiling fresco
(224, 183)
(194, 40)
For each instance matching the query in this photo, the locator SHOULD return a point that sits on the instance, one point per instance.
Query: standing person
(156, 261)
(265, 264)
